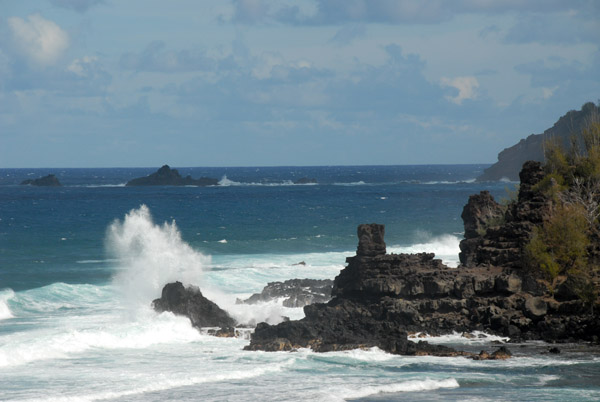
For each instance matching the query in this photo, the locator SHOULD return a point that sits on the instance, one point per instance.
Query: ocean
(80, 265)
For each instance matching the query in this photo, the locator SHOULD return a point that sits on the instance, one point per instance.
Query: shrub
(560, 245)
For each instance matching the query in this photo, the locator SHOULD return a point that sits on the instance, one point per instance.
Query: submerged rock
(501, 354)
(46, 181)
(165, 176)
(191, 303)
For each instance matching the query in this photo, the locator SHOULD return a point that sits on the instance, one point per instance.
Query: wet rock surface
(295, 292)
(191, 303)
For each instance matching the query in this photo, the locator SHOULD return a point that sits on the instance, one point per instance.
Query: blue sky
(107, 83)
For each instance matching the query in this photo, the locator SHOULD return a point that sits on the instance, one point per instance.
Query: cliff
(511, 159)
(165, 176)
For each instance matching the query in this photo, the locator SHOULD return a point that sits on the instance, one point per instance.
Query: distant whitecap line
(225, 182)
(356, 183)
(97, 261)
(433, 182)
(97, 185)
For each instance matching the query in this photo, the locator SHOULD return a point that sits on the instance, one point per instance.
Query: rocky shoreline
(379, 298)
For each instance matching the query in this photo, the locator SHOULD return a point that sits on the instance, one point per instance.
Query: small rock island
(46, 181)
(165, 176)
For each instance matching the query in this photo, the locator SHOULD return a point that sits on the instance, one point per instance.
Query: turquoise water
(80, 264)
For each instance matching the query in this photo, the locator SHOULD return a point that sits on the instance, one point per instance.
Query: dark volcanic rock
(370, 240)
(297, 292)
(165, 176)
(378, 298)
(495, 235)
(191, 303)
(46, 181)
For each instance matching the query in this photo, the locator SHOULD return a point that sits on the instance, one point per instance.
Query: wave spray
(150, 256)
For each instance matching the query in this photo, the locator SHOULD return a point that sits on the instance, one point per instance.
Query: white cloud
(466, 86)
(81, 66)
(40, 40)
(548, 92)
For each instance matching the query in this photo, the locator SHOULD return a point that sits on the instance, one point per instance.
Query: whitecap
(479, 337)
(73, 337)
(225, 182)
(356, 183)
(5, 296)
(404, 386)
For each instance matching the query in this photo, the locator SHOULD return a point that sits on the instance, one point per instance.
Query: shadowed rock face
(496, 235)
(191, 303)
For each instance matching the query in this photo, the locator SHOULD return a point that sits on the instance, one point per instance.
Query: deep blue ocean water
(80, 264)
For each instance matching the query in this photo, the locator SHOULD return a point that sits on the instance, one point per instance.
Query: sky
(108, 83)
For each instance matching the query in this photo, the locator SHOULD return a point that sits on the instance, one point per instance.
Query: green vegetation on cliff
(565, 247)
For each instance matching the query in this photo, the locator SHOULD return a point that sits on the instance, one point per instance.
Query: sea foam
(404, 386)
(445, 247)
(79, 334)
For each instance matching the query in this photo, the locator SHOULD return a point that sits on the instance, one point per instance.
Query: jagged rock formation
(511, 159)
(497, 235)
(191, 303)
(46, 181)
(378, 297)
(165, 176)
(297, 292)
(370, 240)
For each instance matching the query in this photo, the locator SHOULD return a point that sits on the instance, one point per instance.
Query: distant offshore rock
(306, 180)
(46, 181)
(165, 176)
